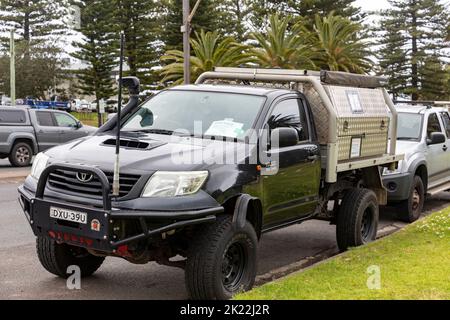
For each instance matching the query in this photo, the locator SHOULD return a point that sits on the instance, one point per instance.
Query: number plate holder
(97, 226)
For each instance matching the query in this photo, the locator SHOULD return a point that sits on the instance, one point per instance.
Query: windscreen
(197, 113)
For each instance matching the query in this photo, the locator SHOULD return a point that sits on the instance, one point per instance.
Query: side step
(439, 188)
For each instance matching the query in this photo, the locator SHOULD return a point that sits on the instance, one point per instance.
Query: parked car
(424, 138)
(24, 132)
(267, 158)
(78, 105)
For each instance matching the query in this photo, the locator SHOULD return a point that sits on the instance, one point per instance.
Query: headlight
(173, 184)
(39, 164)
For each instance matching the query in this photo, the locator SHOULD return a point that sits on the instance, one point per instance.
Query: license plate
(68, 215)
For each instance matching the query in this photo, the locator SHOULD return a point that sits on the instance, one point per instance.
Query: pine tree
(309, 9)
(434, 79)
(34, 21)
(207, 18)
(138, 20)
(98, 48)
(410, 32)
(38, 26)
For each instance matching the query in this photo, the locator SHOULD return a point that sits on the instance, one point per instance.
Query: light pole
(186, 30)
(12, 52)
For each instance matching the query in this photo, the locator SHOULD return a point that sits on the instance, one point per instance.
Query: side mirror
(284, 137)
(79, 125)
(436, 138)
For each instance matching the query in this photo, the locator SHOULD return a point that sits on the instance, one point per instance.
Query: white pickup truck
(424, 138)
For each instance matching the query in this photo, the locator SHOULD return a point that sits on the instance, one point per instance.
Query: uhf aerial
(116, 181)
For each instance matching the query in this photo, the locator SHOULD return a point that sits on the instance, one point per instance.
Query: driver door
(292, 192)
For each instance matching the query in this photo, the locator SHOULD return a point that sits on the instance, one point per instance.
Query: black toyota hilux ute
(194, 185)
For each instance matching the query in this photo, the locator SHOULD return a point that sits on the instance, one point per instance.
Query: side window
(64, 120)
(290, 114)
(12, 116)
(446, 120)
(433, 125)
(45, 119)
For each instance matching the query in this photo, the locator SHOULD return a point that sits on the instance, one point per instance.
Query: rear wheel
(56, 258)
(21, 154)
(357, 222)
(222, 261)
(410, 210)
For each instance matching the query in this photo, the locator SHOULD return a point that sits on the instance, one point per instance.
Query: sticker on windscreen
(226, 128)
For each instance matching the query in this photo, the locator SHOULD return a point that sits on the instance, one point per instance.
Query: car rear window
(13, 116)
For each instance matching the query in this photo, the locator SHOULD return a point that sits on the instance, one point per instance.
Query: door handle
(313, 157)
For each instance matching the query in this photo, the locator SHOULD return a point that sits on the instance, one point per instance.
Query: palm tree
(337, 46)
(282, 47)
(209, 51)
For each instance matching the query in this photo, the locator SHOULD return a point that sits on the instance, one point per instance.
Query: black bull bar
(103, 239)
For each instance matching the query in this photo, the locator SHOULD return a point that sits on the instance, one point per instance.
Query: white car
(424, 138)
(78, 105)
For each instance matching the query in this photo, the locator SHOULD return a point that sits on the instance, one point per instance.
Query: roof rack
(423, 102)
(286, 75)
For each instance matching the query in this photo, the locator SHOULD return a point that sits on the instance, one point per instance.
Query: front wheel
(357, 221)
(56, 258)
(221, 261)
(410, 210)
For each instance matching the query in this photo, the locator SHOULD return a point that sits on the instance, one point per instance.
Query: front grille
(67, 182)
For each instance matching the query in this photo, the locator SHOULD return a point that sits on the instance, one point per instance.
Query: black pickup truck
(24, 132)
(206, 193)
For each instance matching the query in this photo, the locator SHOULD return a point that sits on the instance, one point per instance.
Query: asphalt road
(22, 277)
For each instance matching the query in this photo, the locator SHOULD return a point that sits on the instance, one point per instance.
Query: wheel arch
(244, 207)
(419, 168)
(29, 139)
(422, 172)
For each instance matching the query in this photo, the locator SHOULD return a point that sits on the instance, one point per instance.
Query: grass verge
(414, 263)
(88, 118)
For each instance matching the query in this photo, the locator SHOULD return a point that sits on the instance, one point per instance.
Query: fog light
(392, 186)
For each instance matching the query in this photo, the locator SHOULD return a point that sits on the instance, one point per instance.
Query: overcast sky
(369, 5)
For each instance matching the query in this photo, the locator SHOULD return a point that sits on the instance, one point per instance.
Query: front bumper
(103, 237)
(398, 186)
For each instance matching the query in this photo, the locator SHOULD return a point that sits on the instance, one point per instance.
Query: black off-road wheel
(221, 261)
(357, 221)
(410, 210)
(21, 155)
(56, 258)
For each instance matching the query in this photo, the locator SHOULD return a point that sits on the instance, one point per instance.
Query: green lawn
(414, 264)
(89, 118)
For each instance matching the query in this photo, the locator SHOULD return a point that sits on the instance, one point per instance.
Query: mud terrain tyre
(21, 155)
(221, 261)
(410, 210)
(56, 258)
(357, 221)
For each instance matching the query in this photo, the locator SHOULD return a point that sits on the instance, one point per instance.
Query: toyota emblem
(84, 177)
